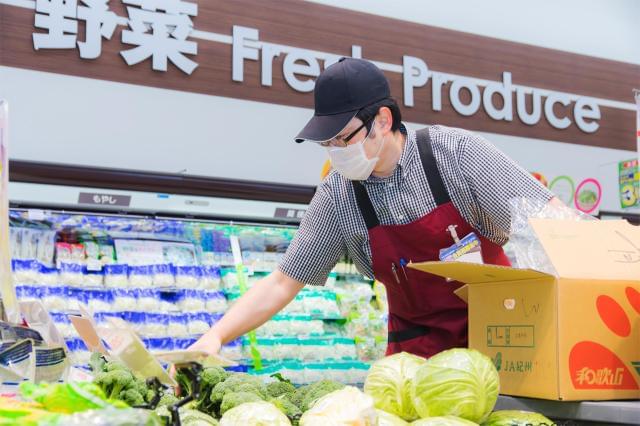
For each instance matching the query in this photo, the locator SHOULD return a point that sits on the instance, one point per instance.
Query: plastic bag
(524, 249)
(111, 417)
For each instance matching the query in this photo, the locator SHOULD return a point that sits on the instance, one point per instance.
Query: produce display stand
(577, 413)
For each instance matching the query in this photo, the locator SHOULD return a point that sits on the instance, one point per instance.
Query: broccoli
(305, 396)
(167, 399)
(233, 399)
(190, 417)
(209, 378)
(113, 365)
(275, 389)
(132, 397)
(239, 382)
(97, 362)
(285, 405)
(113, 382)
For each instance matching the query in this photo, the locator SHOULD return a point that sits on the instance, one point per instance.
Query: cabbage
(388, 419)
(443, 421)
(347, 406)
(457, 382)
(516, 418)
(254, 414)
(389, 384)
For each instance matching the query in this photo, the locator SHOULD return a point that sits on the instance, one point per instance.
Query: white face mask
(351, 161)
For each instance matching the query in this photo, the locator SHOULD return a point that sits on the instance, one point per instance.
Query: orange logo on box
(593, 366)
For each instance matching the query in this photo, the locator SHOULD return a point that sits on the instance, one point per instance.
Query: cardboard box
(574, 336)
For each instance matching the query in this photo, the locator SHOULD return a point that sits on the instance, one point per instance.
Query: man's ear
(385, 118)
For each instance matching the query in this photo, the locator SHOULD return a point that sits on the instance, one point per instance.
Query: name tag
(465, 250)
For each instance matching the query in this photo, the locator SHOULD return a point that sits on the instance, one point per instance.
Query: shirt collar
(406, 158)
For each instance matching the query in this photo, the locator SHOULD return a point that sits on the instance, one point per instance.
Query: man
(394, 196)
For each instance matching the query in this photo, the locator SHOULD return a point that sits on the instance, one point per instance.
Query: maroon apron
(425, 316)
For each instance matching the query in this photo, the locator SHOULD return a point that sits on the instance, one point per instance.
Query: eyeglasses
(342, 142)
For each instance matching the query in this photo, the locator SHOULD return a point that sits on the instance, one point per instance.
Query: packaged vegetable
(345, 406)
(116, 275)
(255, 414)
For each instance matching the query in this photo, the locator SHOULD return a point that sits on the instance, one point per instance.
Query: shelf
(584, 412)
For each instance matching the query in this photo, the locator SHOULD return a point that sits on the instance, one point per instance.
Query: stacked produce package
(173, 279)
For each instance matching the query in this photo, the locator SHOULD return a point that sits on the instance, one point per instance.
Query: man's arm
(266, 298)
(314, 251)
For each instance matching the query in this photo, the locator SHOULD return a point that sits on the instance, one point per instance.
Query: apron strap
(408, 333)
(364, 204)
(430, 166)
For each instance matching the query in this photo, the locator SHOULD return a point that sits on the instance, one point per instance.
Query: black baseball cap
(342, 90)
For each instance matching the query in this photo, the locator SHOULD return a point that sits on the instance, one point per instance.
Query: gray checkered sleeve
(494, 179)
(318, 245)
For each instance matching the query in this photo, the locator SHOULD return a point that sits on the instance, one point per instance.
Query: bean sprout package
(37, 353)
(125, 346)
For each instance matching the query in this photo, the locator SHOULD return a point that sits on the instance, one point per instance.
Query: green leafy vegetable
(389, 384)
(457, 382)
(516, 418)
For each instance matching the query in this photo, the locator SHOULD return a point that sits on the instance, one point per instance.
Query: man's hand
(209, 343)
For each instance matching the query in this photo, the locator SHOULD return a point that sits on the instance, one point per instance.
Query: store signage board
(97, 199)
(240, 50)
(283, 213)
(160, 33)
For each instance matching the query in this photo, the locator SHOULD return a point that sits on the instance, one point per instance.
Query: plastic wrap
(177, 326)
(215, 302)
(99, 300)
(116, 276)
(211, 278)
(141, 276)
(93, 278)
(192, 301)
(188, 276)
(525, 250)
(111, 417)
(55, 299)
(47, 275)
(125, 299)
(163, 276)
(71, 274)
(25, 271)
(148, 300)
(198, 323)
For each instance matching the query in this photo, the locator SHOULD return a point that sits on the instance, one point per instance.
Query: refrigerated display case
(172, 276)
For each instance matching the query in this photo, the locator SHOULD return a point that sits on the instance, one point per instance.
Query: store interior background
(78, 121)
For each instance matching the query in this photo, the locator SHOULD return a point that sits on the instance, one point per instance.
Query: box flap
(594, 249)
(475, 273)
